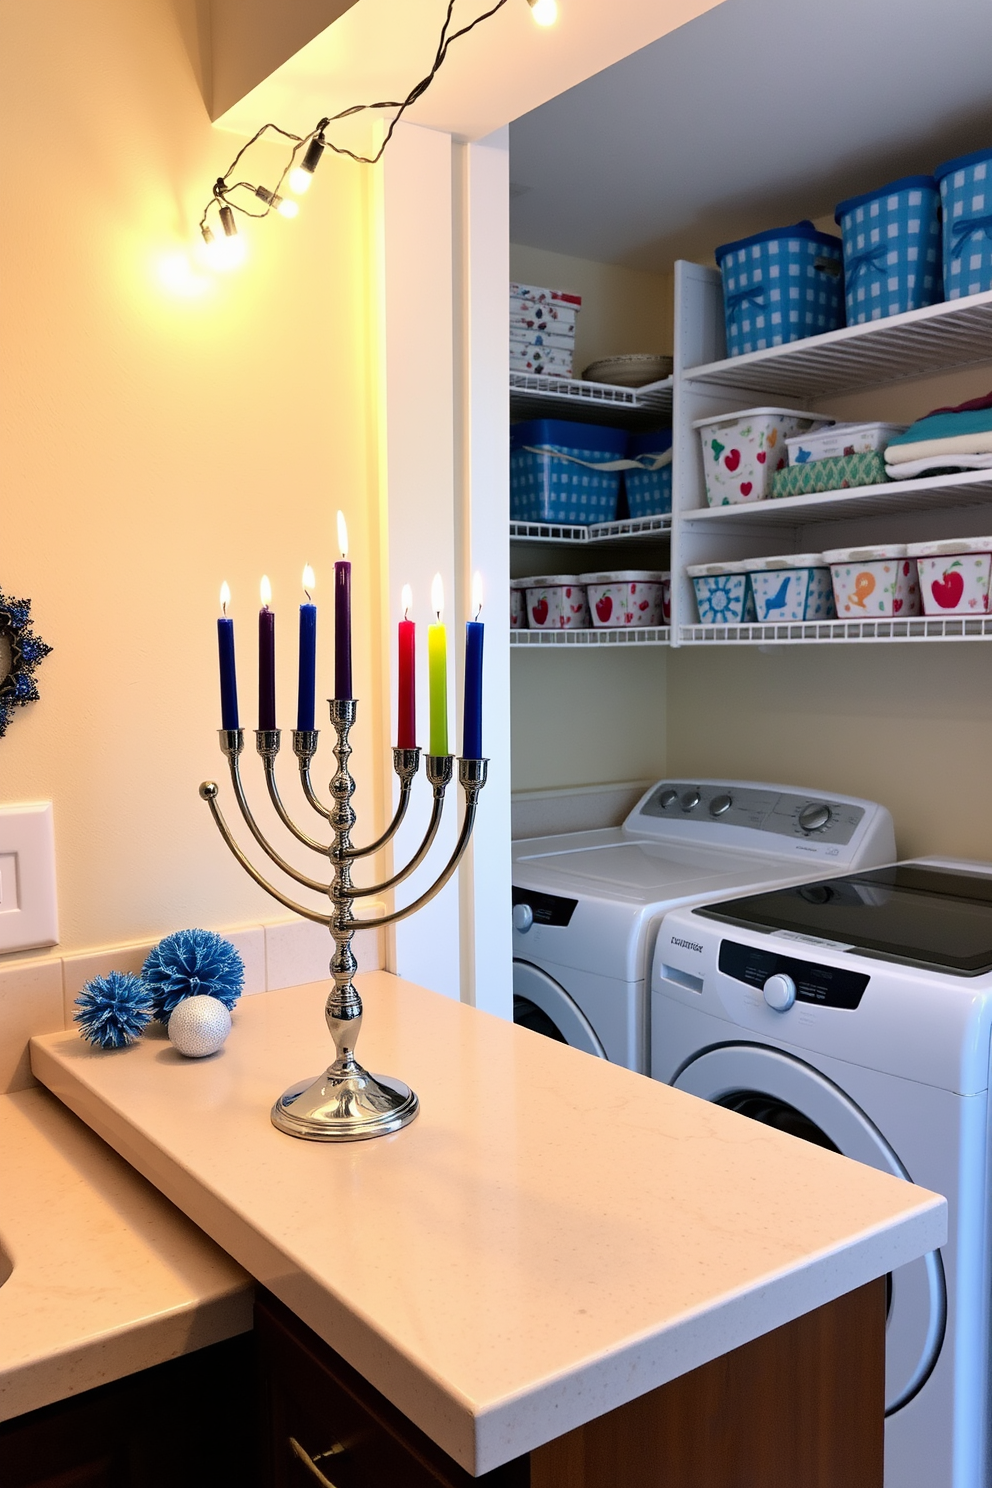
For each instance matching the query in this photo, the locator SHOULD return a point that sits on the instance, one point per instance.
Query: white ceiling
(754, 114)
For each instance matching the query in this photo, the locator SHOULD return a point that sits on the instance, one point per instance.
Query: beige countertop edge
(482, 1435)
(108, 1277)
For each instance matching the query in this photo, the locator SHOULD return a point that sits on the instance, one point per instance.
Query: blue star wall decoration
(26, 652)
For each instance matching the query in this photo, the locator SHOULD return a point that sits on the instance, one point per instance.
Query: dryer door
(783, 1092)
(540, 1003)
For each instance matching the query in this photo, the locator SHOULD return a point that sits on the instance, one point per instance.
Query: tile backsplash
(37, 996)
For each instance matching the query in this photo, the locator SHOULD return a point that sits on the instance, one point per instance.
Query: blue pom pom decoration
(113, 1010)
(192, 963)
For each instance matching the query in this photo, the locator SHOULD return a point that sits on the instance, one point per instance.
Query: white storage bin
(793, 586)
(625, 597)
(878, 580)
(742, 451)
(723, 592)
(556, 602)
(518, 603)
(841, 439)
(954, 575)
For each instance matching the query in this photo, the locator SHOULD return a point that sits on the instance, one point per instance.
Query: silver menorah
(346, 1103)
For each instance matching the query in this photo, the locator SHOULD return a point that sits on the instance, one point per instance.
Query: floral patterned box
(742, 451)
(954, 575)
(874, 581)
(723, 593)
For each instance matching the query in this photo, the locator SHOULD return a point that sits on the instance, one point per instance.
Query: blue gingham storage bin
(553, 476)
(966, 198)
(781, 285)
(649, 492)
(892, 250)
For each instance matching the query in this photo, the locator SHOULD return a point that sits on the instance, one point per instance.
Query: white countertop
(551, 1237)
(107, 1277)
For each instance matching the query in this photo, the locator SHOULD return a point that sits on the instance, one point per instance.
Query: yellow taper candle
(437, 667)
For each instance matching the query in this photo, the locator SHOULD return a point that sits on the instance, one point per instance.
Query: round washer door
(534, 986)
(783, 1092)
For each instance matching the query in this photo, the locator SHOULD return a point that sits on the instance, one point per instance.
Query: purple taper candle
(342, 616)
(266, 659)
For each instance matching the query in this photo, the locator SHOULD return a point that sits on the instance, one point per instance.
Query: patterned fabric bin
(836, 473)
(966, 197)
(892, 253)
(649, 490)
(565, 472)
(781, 285)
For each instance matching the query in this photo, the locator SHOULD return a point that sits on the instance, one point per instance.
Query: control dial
(720, 804)
(523, 918)
(668, 798)
(814, 817)
(690, 799)
(780, 992)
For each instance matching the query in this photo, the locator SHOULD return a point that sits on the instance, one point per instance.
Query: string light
(298, 173)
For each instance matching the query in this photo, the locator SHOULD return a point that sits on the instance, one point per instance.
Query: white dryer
(856, 1012)
(587, 905)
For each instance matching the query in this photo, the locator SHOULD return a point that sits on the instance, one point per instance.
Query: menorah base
(349, 1106)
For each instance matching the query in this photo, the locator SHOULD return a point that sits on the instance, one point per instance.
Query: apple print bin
(954, 575)
(557, 602)
(518, 603)
(742, 451)
(627, 597)
(874, 581)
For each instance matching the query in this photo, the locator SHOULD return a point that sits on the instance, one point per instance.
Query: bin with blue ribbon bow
(779, 286)
(966, 199)
(891, 249)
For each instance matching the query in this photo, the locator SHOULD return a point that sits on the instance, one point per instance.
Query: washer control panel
(783, 981)
(781, 813)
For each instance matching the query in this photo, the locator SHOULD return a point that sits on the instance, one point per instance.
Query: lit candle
(342, 616)
(472, 721)
(308, 656)
(406, 712)
(437, 666)
(228, 675)
(266, 659)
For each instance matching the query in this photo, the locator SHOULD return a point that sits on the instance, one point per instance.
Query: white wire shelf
(598, 532)
(930, 493)
(938, 338)
(632, 635)
(825, 632)
(533, 396)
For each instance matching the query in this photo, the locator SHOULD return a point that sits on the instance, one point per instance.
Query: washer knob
(815, 817)
(523, 918)
(690, 799)
(668, 798)
(720, 804)
(780, 992)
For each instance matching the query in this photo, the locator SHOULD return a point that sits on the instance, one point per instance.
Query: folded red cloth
(972, 406)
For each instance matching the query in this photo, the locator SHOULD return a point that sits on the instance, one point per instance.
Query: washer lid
(646, 872)
(934, 918)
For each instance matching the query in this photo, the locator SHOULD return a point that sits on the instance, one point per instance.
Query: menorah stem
(439, 771)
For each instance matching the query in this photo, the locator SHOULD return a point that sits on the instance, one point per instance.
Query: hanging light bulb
(545, 12)
(226, 252)
(279, 203)
(301, 176)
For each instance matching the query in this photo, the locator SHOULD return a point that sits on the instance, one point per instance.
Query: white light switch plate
(28, 905)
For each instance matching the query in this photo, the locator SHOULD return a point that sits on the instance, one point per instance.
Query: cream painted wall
(162, 431)
(623, 310)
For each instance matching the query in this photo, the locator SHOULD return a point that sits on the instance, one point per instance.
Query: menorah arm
(406, 763)
(283, 814)
(354, 892)
(256, 832)
(311, 794)
(208, 791)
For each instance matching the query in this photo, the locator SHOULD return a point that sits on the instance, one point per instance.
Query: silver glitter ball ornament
(198, 1026)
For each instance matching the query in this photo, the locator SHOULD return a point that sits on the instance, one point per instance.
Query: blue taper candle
(308, 656)
(472, 717)
(228, 674)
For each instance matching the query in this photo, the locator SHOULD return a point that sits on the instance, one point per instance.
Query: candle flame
(265, 590)
(225, 596)
(309, 581)
(342, 535)
(437, 597)
(406, 600)
(477, 595)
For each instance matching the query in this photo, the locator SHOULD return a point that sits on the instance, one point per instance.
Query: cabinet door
(328, 1426)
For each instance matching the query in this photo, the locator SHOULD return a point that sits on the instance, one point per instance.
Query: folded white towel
(934, 464)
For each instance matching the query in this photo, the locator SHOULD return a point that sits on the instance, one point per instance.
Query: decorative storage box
(841, 439)
(518, 603)
(649, 490)
(723, 592)
(781, 285)
(526, 356)
(627, 597)
(966, 197)
(874, 581)
(742, 451)
(565, 472)
(954, 575)
(794, 587)
(838, 473)
(892, 249)
(557, 602)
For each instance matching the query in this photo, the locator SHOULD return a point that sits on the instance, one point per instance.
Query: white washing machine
(856, 1013)
(587, 905)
